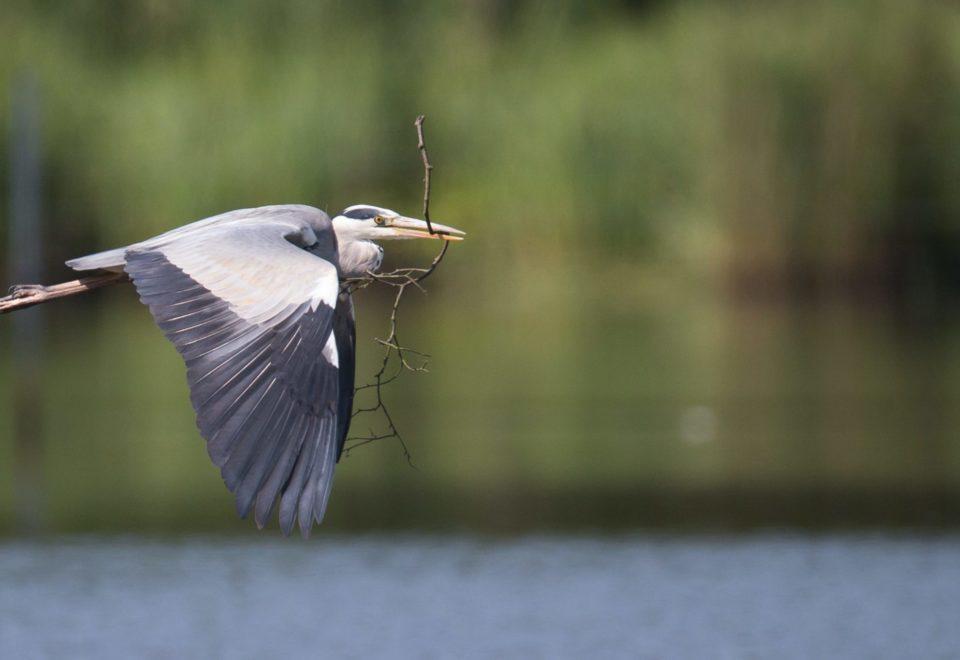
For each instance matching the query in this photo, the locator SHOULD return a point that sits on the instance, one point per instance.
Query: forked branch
(396, 357)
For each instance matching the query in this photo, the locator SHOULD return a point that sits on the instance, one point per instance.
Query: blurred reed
(796, 149)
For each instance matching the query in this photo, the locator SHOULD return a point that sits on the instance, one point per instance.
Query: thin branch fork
(400, 279)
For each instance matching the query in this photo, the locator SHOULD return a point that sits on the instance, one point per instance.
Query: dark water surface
(761, 596)
(645, 415)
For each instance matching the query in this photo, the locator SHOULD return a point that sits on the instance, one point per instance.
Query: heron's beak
(412, 228)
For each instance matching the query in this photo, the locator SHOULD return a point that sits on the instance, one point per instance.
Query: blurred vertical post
(25, 263)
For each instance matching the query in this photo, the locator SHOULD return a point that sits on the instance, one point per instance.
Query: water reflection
(635, 412)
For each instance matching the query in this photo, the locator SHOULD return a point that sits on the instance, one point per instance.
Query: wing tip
(305, 529)
(262, 510)
(286, 525)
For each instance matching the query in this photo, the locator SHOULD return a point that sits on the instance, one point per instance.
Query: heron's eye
(380, 220)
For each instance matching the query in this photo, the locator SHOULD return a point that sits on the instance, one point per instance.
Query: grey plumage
(251, 300)
(255, 385)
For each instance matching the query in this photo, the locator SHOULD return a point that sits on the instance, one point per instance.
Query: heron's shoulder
(297, 213)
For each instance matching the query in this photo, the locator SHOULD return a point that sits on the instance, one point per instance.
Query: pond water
(761, 595)
(651, 414)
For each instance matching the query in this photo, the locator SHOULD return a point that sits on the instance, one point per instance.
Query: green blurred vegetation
(712, 246)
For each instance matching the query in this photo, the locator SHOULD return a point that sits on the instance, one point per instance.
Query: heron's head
(362, 222)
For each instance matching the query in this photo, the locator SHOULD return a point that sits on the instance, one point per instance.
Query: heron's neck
(358, 257)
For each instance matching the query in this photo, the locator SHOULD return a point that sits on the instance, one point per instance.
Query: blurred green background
(710, 281)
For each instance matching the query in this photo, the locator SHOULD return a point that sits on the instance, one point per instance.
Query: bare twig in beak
(427, 168)
(400, 279)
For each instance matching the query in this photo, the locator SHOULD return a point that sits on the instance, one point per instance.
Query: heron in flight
(252, 301)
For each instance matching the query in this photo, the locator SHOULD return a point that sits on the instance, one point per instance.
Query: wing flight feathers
(252, 314)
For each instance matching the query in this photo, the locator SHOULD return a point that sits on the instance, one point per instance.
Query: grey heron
(252, 301)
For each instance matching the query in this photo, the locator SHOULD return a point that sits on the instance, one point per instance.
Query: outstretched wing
(251, 313)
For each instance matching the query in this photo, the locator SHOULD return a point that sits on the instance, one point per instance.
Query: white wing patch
(323, 293)
(330, 351)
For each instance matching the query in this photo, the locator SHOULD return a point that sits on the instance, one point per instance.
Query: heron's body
(252, 301)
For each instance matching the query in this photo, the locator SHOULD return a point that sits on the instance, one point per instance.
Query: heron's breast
(359, 257)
